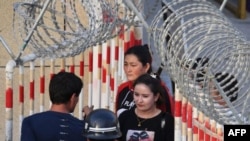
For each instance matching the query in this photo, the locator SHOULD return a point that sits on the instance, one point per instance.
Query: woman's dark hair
(143, 54)
(154, 85)
(229, 85)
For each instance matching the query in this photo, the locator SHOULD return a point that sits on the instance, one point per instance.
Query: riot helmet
(102, 124)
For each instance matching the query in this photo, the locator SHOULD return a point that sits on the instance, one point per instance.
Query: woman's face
(144, 97)
(133, 68)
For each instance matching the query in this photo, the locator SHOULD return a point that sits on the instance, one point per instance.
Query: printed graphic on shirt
(126, 107)
(127, 101)
(139, 135)
(128, 104)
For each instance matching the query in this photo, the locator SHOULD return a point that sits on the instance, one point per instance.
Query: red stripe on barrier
(213, 139)
(90, 61)
(195, 130)
(21, 94)
(32, 90)
(112, 84)
(189, 113)
(99, 60)
(201, 134)
(207, 136)
(81, 68)
(72, 68)
(184, 112)
(42, 84)
(177, 108)
(116, 53)
(126, 46)
(108, 55)
(9, 98)
(104, 73)
(132, 39)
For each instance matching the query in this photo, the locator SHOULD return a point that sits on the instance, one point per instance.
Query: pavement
(243, 25)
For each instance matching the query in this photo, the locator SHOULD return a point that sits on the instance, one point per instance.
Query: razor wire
(198, 29)
(68, 27)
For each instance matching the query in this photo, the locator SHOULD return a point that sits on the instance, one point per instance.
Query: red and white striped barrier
(193, 125)
(101, 79)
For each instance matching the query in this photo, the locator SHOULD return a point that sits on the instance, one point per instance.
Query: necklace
(140, 121)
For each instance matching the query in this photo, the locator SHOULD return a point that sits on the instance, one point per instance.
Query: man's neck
(59, 108)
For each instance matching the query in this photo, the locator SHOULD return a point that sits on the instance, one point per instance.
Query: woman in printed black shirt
(147, 122)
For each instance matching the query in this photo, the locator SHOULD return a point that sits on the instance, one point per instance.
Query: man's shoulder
(37, 115)
(51, 117)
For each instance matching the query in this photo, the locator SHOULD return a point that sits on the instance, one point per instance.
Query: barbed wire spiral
(68, 27)
(204, 53)
(207, 57)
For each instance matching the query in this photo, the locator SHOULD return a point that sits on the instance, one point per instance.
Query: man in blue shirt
(57, 124)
